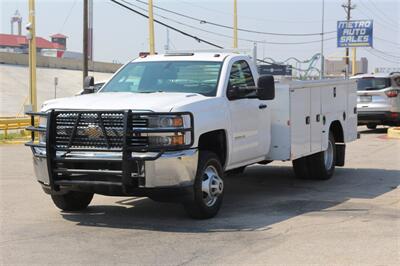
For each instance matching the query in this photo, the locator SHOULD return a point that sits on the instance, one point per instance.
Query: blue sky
(120, 35)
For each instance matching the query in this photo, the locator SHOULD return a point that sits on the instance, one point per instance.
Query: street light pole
(151, 28)
(32, 57)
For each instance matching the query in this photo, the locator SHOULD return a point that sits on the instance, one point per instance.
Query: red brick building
(19, 43)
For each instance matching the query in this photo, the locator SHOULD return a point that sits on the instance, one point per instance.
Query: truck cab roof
(187, 56)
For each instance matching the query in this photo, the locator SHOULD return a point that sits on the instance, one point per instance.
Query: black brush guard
(119, 132)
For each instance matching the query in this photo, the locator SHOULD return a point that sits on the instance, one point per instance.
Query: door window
(241, 75)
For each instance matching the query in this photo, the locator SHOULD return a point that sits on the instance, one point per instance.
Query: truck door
(250, 119)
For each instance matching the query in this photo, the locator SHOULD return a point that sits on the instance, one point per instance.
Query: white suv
(378, 101)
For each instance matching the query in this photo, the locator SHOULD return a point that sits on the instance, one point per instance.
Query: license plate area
(365, 98)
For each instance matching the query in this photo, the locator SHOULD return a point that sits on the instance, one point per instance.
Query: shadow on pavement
(260, 197)
(381, 130)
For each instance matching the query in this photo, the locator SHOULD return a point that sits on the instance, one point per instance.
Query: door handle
(307, 120)
(262, 106)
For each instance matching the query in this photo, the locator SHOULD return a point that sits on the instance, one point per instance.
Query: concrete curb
(394, 132)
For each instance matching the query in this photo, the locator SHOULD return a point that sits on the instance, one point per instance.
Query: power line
(380, 11)
(224, 35)
(381, 57)
(68, 15)
(382, 17)
(168, 26)
(384, 40)
(376, 21)
(382, 22)
(386, 53)
(202, 21)
(252, 18)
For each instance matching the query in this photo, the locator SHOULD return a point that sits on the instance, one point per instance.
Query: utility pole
(31, 27)
(348, 7)
(151, 28)
(90, 31)
(321, 74)
(85, 39)
(353, 61)
(235, 25)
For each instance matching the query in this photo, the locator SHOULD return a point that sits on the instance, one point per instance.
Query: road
(268, 217)
(14, 84)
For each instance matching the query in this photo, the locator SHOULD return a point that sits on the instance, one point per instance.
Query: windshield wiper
(149, 91)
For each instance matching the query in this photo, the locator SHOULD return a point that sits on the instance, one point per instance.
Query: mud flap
(340, 154)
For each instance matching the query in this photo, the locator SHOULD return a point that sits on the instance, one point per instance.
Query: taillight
(394, 115)
(392, 93)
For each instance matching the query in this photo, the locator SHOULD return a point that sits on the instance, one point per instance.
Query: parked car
(378, 100)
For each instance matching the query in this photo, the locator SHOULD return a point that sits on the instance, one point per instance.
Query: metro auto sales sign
(354, 33)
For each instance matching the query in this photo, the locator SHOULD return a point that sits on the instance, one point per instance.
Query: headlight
(167, 131)
(166, 122)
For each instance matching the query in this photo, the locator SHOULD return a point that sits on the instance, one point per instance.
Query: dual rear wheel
(319, 166)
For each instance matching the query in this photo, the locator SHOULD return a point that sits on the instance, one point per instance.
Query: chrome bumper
(171, 169)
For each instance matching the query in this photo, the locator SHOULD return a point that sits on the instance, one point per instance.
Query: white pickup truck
(170, 126)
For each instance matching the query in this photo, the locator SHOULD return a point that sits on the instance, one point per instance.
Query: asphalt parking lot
(268, 217)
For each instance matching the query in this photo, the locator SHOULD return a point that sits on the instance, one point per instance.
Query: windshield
(167, 76)
(372, 83)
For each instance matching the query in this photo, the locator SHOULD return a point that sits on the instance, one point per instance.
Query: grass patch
(20, 135)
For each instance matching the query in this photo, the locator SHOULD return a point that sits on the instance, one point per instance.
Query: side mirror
(266, 87)
(232, 92)
(88, 85)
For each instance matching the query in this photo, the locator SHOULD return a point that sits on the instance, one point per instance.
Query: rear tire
(319, 166)
(371, 126)
(300, 167)
(72, 200)
(208, 187)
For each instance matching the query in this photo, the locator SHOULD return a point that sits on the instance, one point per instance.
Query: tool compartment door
(300, 122)
(316, 120)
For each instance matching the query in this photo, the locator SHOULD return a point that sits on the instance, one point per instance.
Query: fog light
(167, 140)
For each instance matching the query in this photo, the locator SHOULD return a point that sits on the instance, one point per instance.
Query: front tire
(72, 200)
(208, 187)
(371, 126)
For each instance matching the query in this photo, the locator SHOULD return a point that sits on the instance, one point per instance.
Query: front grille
(96, 130)
(89, 130)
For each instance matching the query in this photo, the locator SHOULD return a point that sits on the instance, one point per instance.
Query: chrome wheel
(212, 186)
(328, 156)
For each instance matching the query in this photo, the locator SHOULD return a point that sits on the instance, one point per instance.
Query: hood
(157, 102)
